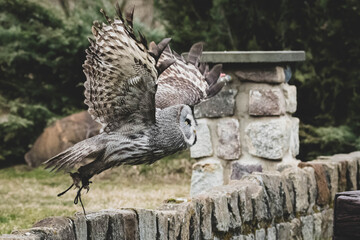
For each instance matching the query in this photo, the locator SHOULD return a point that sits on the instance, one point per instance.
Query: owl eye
(188, 122)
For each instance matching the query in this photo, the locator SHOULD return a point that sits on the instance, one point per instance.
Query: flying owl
(143, 97)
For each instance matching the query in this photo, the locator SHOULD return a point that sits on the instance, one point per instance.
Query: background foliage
(42, 48)
(328, 82)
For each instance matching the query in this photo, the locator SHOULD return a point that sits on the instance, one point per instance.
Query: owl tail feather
(214, 89)
(74, 155)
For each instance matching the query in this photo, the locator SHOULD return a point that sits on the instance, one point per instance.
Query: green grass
(29, 195)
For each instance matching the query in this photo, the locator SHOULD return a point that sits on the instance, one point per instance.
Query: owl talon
(76, 182)
(78, 194)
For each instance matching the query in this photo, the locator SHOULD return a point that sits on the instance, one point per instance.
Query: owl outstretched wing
(120, 85)
(121, 75)
(187, 81)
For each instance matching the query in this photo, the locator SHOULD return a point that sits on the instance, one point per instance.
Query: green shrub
(18, 131)
(320, 141)
(42, 49)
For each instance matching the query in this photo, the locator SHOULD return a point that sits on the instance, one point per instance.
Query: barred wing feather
(187, 81)
(121, 74)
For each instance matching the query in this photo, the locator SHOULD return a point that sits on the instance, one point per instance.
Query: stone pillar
(248, 126)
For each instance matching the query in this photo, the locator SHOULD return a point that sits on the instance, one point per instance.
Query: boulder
(61, 135)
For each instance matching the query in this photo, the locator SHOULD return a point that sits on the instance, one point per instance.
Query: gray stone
(230, 192)
(205, 207)
(356, 156)
(312, 188)
(266, 102)
(271, 233)
(273, 184)
(289, 196)
(238, 169)
(239, 237)
(353, 172)
(327, 223)
(221, 213)
(28, 236)
(307, 229)
(123, 224)
(163, 218)
(97, 225)
(279, 196)
(290, 98)
(185, 223)
(244, 201)
(268, 139)
(260, 234)
(233, 203)
(295, 230)
(235, 237)
(259, 198)
(195, 221)
(174, 226)
(262, 75)
(252, 56)
(294, 137)
(229, 139)
(283, 230)
(352, 169)
(206, 174)
(221, 105)
(147, 224)
(343, 175)
(282, 166)
(317, 226)
(298, 177)
(189, 219)
(203, 146)
(56, 227)
(347, 167)
(249, 237)
(80, 226)
(323, 192)
(130, 223)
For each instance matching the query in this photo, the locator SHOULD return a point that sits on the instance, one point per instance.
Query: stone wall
(249, 125)
(293, 202)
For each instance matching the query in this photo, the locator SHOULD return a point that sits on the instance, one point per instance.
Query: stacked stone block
(293, 202)
(248, 125)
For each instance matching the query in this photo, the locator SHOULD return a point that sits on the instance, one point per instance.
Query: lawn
(29, 195)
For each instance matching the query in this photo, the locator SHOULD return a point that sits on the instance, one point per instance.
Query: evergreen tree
(328, 82)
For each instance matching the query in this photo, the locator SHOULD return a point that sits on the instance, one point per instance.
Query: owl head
(187, 125)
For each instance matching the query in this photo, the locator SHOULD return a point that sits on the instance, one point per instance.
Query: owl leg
(84, 185)
(77, 179)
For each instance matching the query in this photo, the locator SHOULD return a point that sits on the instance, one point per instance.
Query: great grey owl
(142, 96)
